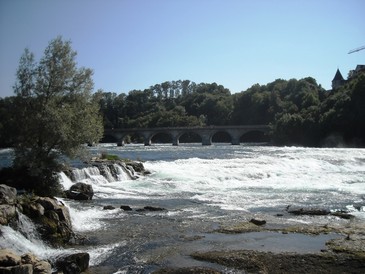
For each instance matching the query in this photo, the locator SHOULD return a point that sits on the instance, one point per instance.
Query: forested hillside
(300, 112)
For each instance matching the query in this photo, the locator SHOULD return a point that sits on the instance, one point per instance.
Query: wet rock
(9, 258)
(33, 209)
(108, 207)
(7, 214)
(342, 215)
(7, 194)
(48, 203)
(51, 216)
(75, 263)
(26, 264)
(125, 207)
(359, 207)
(137, 166)
(19, 269)
(29, 258)
(152, 208)
(308, 211)
(187, 270)
(80, 191)
(258, 222)
(42, 267)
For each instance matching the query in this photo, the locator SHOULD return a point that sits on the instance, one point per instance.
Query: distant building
(338, 80)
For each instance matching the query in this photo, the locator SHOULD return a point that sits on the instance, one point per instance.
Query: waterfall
(26, 239)
(97, 175)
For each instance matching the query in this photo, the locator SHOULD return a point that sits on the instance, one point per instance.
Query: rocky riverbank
(342, 251)
(52, 220)
(53, 223)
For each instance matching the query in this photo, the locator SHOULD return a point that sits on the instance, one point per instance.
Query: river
(201, 188)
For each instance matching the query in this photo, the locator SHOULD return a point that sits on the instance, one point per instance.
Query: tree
(54, 110)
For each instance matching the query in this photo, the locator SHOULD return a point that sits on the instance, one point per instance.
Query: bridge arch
(221, 137)
(189, 137)
(206, 134)
(161, 137)
(257, 136)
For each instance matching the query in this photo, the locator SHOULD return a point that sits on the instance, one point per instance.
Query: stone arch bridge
(206, 133)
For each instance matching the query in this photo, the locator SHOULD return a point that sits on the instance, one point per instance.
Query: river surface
(202, 188)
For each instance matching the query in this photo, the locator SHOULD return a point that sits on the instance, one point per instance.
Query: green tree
(55, 111)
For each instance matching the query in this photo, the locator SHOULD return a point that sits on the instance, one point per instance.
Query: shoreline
(287, 249)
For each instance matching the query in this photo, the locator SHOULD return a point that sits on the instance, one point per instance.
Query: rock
(33, 209)
(125, 208)
(258, 222)
(7, 194)
(137, 166)
(9, 258)
(52, 217)
(19, 269)
(42, 267)
(80, 191)
(29, 258)
(7, 213)
(309, 211)
(187, 270)
(108, 207)
(342, 215)
(152, 208)
(75, 263)
(48, 203)
(64, 215)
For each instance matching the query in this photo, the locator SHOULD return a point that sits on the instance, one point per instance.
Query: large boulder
(53, 219)
(9, 258)
(80, 191)
(75, 263)
(7, 194)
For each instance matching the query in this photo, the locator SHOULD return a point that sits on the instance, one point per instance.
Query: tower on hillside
(338, 80)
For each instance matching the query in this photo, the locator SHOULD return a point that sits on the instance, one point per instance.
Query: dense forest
(300, 112)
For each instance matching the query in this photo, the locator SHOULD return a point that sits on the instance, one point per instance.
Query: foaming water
(202, 187)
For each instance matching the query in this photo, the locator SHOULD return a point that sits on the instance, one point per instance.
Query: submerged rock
(108, 207)
(258, 222)
(153, 208)
(126, 208)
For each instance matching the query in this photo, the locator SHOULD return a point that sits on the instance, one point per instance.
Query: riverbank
(272, 248)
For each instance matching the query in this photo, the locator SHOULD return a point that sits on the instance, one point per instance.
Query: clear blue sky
(133, 44)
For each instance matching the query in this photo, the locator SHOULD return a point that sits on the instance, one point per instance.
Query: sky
(133, 44)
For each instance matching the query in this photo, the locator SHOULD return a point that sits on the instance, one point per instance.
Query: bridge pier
(206, 140)
(147, 141)
(235, 140)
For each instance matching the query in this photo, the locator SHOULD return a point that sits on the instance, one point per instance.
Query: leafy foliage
(300, 112)
(53, 111)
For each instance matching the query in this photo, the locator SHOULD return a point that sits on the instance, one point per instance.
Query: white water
(25, 239)
(206, 184)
